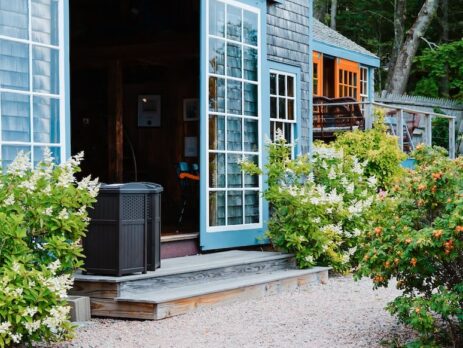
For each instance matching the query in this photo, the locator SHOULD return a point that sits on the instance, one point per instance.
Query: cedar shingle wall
(288, 37)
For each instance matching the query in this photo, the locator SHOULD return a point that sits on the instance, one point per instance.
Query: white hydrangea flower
(279, 135)
(317, 220)
(357, 167)
(356, 232)
(372, 181)
(332, 228)
(29, 185)
(350, 188)
(63, 214)
(4, 327)
(48, 211)
(328, 153)
(332, 174)
(30, 311)
(54, 266)
(9, 201)
(18, 292)
(15, 267)
(16, 338)
(32, 327)
(20, 165)
(309, 258)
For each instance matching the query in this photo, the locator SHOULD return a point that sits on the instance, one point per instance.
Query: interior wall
(157, 47)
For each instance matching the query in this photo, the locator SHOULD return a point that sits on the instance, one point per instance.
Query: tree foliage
(435, 64)
(370, 23)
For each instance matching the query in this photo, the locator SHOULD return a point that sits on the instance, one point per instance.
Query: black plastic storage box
(122, 238)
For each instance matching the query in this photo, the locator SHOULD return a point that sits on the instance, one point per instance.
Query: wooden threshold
(177, 237)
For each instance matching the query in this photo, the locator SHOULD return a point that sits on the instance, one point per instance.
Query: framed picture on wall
(190, 109)
(149, 111)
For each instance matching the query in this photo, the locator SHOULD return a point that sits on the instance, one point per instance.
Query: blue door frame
(230, 238)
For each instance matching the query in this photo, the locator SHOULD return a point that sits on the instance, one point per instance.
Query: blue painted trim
(203, 105)
(340, 52)
(292, 69)
(310, 82)
(237, 238)
(67, 79)
(371, 84)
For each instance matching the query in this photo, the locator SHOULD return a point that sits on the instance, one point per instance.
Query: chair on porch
(187, 174)
(335, 115)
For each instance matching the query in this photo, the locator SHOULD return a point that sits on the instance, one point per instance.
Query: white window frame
(364, 87)
(294, 99)
(61, 96)
(258, 118)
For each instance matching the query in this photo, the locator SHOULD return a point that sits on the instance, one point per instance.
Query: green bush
(318, 206)
(416, 237)
(44, 216)
(375, 146)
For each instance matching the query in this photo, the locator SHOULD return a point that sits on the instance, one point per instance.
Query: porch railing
(396, 119)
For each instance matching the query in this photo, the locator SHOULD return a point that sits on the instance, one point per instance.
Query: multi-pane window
(282, 106)
(31, 88)
(316, 79)
(233, 115)
(364, 87)
(347, 84)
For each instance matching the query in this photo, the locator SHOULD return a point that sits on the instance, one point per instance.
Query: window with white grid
(31, 78)
(364, 87)
(283, 106)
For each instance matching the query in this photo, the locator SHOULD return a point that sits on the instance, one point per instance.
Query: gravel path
(342, 313)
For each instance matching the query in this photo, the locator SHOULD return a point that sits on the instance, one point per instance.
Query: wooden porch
(411, 126)
(184, 284)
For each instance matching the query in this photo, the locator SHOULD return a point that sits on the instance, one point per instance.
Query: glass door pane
(233, 199)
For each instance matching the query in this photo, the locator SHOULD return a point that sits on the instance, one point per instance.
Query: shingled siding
(288, 37)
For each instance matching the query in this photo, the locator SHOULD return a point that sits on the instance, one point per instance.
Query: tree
(402, 67)
(399, 30)
(334, 10)
(434, 64)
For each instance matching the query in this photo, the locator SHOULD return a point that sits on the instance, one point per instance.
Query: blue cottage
(146, 87)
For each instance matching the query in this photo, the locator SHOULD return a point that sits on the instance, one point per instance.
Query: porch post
(428, 129)
(400, 128)
(115, 122)
(452, 145)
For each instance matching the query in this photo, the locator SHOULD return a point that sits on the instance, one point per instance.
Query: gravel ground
(342, 313)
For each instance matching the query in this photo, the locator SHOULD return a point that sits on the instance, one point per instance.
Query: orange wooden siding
(317, 74)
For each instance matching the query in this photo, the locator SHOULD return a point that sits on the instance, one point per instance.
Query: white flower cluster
(21, 165)
(59, 285)
(327, 153)
(337, 229)
(87, 184)
(358, 207)
(58, 315)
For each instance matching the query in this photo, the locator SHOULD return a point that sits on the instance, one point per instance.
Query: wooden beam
(115, 122)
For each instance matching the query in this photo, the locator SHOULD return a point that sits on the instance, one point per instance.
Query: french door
(231, 129)
(347, 79)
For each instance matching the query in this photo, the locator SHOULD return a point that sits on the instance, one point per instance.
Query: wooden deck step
(184, 284)
(159, 305)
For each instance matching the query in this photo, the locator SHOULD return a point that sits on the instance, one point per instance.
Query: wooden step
(157, 305)
(178, 245)
(185, 283)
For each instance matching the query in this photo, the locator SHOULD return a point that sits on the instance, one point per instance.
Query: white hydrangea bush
(43, 214)
(319, 204)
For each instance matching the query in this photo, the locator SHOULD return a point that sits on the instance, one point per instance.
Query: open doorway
(134, 95)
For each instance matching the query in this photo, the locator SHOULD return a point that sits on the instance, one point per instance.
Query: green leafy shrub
(375, 146)
(417, 238)
(44, 215)
(319, 206)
